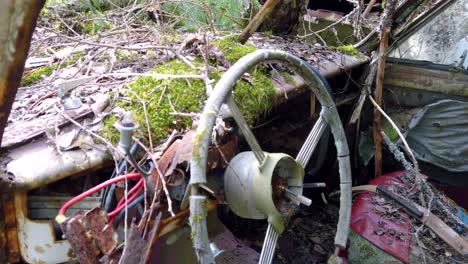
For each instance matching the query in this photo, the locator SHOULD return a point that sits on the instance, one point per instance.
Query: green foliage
(221, 14)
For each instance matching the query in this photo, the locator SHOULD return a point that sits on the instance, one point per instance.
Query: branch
(258, 19)
(386, 27)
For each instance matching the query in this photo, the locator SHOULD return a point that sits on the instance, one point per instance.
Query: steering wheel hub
(264, 191)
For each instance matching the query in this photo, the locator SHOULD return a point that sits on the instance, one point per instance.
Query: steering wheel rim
(221, 94)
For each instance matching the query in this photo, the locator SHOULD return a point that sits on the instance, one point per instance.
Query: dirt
(310, 236)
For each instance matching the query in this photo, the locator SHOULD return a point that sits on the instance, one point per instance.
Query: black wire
(108, 193)
(130, 205)
(144, 173)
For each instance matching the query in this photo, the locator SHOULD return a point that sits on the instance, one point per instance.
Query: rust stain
(70, 253)
(39, 249)
(11, 231)
(39, 261)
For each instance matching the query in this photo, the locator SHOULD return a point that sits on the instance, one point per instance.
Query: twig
(365, 39)
(129, 89)
(368, 8)
(65, 24)
(395, 127)
(357, 20)
(112, 46)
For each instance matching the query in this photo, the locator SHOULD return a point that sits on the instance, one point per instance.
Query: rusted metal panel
(10, 229)
(17, 23)
(103, 233)
(38, 164)
(36, 239)
(81, 242)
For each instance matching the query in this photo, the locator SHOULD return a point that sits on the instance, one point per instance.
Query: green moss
(197, 218)
(150, 54)
(254, 97)
(45, 11)
(108, 130)
(288, 78)
(36, 75)
(197, 145)
(348, 50)
(340, 34)
(254, 100)
(74, 58)
(186, 95)
(127, 55)
(232, 49)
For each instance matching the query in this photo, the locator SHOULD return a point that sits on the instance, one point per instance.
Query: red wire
(129, 193)
(122, 206)
(131, 176)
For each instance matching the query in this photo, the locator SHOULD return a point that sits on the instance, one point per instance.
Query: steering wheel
(258, 184)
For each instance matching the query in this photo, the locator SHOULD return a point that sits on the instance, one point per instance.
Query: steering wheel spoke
(306, 151)
(245, 129)
(269, 246)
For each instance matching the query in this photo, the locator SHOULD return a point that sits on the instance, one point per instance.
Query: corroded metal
(138, 247)
(75, 232)
(103, 233)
